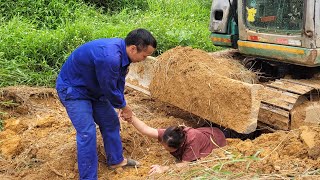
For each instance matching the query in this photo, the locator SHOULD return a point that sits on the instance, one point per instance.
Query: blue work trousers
(85, 114)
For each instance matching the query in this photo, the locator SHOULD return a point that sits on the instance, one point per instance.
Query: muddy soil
(38, 142)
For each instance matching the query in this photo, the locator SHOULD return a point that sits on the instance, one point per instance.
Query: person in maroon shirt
(185, 143)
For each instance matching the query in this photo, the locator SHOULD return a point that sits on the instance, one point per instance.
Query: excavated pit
(39, 143)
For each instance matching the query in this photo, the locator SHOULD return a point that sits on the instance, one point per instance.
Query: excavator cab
(278, 38)
(223, 23)
(279, 30)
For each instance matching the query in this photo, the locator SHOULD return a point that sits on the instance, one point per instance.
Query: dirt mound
(216, 89)
(17, 98)
(276, 155)
(40, 144)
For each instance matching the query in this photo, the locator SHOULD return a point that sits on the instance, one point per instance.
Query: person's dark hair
(174, 136)
(141, 38)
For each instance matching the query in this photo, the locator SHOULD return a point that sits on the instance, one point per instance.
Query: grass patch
(219, 169)
(37, 36)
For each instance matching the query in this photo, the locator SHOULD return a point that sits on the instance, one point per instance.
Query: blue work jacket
(96, 70)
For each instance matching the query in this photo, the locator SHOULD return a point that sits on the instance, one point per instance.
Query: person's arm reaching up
(144, 128)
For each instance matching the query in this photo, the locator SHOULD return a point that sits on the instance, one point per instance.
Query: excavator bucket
(210, 88)
(224, 101)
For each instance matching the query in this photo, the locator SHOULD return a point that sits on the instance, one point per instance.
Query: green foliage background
(36, 36)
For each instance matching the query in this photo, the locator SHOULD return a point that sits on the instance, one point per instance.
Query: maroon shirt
(198, 142)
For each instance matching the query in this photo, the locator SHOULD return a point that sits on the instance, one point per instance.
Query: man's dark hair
(174, 137)
(141, 38)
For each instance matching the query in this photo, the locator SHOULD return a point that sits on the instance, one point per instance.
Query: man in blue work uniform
(90, 85)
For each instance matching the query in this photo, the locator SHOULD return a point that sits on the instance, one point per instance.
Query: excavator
(276, 38)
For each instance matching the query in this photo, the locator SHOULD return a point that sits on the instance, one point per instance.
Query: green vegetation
(37, 35)
(216, 168)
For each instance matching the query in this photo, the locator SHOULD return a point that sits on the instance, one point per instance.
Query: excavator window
(274, 16)
(218, 15)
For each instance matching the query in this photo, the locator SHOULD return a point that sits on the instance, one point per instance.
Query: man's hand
(158, 169)
(126, 114)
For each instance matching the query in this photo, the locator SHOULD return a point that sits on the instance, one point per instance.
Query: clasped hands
(126, 114)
